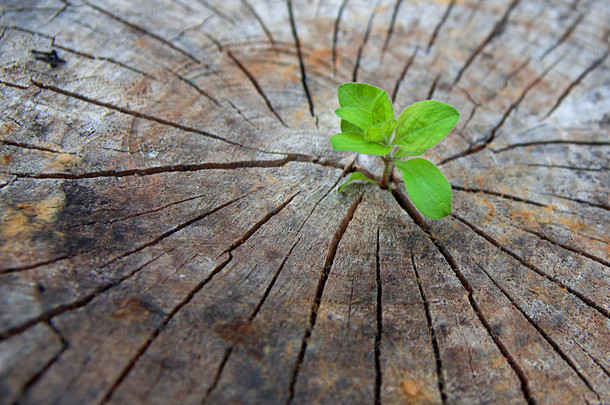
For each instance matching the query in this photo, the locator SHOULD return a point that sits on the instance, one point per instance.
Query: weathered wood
(170, 230)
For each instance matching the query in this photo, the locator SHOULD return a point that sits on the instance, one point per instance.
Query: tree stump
(170, 229)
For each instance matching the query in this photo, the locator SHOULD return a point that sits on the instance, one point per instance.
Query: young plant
(368, 126)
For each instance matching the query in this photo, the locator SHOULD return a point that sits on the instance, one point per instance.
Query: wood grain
(170, 230)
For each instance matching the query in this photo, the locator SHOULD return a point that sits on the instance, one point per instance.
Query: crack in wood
(492, 135)
(297, 44)
(257, 226)
(379, 334)
(141, 30)
(433, 87)
(571, 168)
(36, 376)
(403, 73)
(256, 310)
(325, 272)
(336, 35)
(435, 345)
(422, 224)
(440, 24)
(580, 201)
(260, 21)
(540, 331)
(37, 264)
(587, 301)
(551, 142)
(33, 147)
(257, 86)
(567, 33)
(60, 309)
(577, 81)
(170, 168)
(195, 87)
(15, 85)
(216, 11)
(498, 194)
(229, 256)
(141, 115)
(367, 33)
(577, 251)
(496, 31)
(391, 27)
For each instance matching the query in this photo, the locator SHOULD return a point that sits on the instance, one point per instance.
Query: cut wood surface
(171, 230)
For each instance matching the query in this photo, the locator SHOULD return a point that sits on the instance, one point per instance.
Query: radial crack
(325, 272)
(297, 44)
(367, 33)
(257, 86)
(576, 82)
(498, 194)
(540, 331)
(379, 334)
(565, 35)
(138, 114)
(170, 169)
(403, 73)
(336, 35)
(260, 21)
(141, 30)
(435, 346)
(579, 252)
(551, 142)
(45, 317)
(492, 134)
(587, 301)
(497, 30)
(229, 256)
(391, 27)
(440, 24)
(419, 221)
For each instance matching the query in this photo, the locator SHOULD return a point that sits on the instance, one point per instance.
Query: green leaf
(349, 127)
(382, 109)
(428, 189)
(355, 142)
(400, 153)
(359, 95)
(357, 176)
(387, 128)
(374, 134)
(423, 124)
(357, 116)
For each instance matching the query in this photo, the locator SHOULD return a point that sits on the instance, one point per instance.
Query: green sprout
(368, 126)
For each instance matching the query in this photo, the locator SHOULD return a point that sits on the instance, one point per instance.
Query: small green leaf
(387, 128)
(359, 95)
(380, 132)
(355, 142)
(357, 116)
(346, 126)
(382, 109)
(374, 134)
(423, 124)
(357, 176)
(428, 189)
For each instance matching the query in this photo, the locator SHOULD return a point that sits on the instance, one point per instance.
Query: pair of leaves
(368, 123)
(367, 120)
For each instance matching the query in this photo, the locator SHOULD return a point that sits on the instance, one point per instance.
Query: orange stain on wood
(20, 225)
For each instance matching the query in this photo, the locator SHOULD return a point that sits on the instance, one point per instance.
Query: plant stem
(386, 172)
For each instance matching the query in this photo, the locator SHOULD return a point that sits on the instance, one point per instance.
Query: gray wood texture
(170, 230)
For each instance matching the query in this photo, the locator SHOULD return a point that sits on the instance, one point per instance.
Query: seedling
(368, 126)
